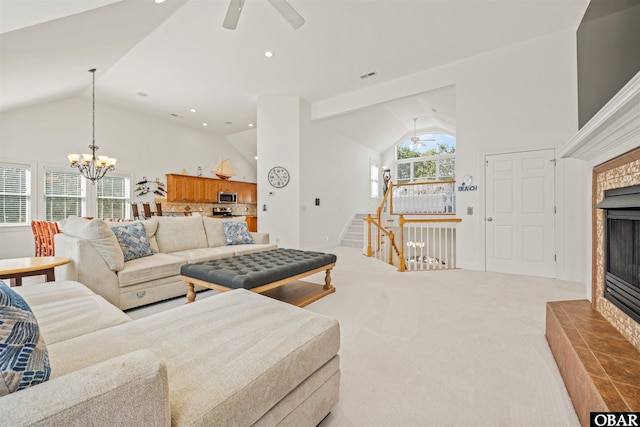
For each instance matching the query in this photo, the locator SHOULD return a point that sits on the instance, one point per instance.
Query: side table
(17, 268)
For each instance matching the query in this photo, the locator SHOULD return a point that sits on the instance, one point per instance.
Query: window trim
(128, 192)
(412, 160)
(374, 180)
(90, 206)
(33, 172)
(56, 167)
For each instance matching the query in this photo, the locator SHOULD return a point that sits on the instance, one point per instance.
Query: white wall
(335, 170)
(279, 145)
(516, 98)
(143, 145)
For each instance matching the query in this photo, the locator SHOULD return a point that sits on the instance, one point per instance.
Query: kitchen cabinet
(247, 192)
(186, 188)
(252, 223)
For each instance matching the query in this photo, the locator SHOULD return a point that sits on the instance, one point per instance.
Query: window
(64, 194)
(15, 194)
(374, 181)
(430, 159)
(113, 196)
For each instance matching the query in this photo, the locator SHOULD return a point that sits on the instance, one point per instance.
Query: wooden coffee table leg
(191, 293)
(327, 279)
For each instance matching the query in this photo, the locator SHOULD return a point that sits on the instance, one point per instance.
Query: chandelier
(91, 166)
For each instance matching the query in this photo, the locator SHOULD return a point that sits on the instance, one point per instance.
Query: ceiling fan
(418, 142)
(282, 6)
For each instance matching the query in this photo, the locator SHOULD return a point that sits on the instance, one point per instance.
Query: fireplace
(622, 249)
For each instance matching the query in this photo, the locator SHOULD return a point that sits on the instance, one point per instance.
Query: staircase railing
(424, 244)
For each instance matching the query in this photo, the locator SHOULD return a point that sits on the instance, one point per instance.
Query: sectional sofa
(133, 264)
(233, 359)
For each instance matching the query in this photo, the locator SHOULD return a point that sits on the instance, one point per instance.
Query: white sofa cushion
(216, 236)
(204, 254)
(156, 266)
(68, 309)
(180, 233)
(251, 352)
(99, 234)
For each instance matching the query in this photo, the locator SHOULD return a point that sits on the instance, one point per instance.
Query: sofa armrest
(259, 238)
(131, 389)
(87, 266)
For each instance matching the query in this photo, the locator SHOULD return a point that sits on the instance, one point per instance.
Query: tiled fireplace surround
(596, 345)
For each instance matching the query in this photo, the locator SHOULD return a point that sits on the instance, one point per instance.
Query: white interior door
(520, 213)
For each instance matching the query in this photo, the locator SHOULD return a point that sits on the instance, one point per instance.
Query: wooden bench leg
(327, 279)
(191, 293)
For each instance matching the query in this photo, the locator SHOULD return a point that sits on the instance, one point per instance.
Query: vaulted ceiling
(178, 54)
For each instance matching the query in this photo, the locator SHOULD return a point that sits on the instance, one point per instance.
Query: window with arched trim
(429, 158)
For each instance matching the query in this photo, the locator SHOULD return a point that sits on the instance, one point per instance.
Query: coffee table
(265, 273)
(17, 268)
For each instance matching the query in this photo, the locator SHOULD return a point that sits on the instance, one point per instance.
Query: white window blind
(373, 193)
(15, 194)
(63, 195)
(113, 197)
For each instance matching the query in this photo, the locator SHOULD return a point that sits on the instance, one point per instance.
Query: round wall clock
(278, 177)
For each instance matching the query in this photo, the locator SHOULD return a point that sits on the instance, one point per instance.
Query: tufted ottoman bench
(264, 273)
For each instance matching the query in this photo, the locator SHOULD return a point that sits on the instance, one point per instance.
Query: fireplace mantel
(613, 131)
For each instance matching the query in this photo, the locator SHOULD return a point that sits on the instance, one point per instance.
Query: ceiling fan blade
(288, 13)
(233, 14)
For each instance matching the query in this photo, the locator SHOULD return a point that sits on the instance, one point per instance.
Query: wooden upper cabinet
(185, 188)
(175, 188)
(211, 190)
(247, 192)
(228, 186)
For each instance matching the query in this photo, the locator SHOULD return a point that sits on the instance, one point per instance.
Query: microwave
(227, 197)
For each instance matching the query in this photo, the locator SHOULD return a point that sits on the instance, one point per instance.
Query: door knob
(489, 219)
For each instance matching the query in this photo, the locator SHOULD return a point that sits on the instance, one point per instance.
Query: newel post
(403, 265)
(369, 248)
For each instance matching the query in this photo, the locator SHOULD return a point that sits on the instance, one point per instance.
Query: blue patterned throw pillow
(237, 233)
(24, 360)
(133, 240)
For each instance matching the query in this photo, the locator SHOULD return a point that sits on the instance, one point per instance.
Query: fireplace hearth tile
(631, 395)
(621, 369)
(591, 364)
(600, 371)
(602, 342)
(609, 394)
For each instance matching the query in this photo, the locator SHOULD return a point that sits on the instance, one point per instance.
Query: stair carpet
(354, 235)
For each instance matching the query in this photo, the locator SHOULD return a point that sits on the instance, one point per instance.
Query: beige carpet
(446, 348)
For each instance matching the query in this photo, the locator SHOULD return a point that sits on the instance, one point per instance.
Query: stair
(354, 235)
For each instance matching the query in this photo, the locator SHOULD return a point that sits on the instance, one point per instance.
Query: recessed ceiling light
(268, 54)
(142, 94)
(250, 125)
(193, 110)
(205, 124)
(256, 157)
(158, 1)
